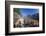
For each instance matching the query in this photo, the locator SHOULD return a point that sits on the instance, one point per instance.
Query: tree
(17, 10)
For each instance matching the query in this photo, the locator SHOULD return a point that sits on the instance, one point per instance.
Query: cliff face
(18, 19)
(24, 21)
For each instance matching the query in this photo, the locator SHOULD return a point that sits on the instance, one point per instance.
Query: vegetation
(17, 10)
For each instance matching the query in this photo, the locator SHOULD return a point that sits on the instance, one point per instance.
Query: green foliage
(17, 10)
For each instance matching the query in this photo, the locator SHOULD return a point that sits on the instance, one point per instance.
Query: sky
(27, 11)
